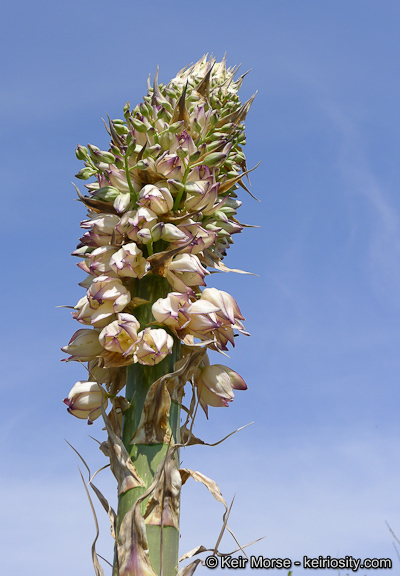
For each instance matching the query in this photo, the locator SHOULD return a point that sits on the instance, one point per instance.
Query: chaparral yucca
(161, 217)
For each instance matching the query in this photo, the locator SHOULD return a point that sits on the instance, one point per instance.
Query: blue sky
(317, 473)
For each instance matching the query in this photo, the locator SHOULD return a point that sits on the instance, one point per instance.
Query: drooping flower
(215, 385)
(85, 400)
(84, 345)
(229, 316)
(184, 272)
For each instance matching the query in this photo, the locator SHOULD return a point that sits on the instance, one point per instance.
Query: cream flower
(129, 261)
(85, 400)
(215, 385)
(121, 335)
(153, 346)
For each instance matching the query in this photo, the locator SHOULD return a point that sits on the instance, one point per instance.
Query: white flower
(121, 335)
(185, 271)
(84, 345)
(153, 346)
(215, 385)
(129, 261)
(85, 400)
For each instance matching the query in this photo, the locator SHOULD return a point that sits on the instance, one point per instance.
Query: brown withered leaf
(153, 425)
(97, 568)
(132, 547)
(181, 113)
(114, 359)
(220, 267)
(227, 184)
(121, 464)
(104, 502)
(210, 484)
(115, 420)
(189, 439)
(163, 505)
(160, 260)
(191, 553)
(95, 205)
(189, 569)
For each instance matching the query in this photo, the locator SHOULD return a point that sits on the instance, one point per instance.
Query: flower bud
(107, 193)
(122, 202)
(84, 345)
(214, 159)
(85, 173)
(85, 400)
(176, 127)
(138, 125)
(81, 152)
(181, 152)
(171, 233)
(156, 231)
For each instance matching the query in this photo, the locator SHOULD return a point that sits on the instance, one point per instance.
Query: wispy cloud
(384, 233)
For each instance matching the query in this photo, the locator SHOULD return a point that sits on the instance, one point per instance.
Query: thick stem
(147, 457)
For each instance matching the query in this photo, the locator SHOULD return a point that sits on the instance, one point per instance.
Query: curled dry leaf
(153, 425)
(210, 484)
(189, 439)
(189, 569)
(163, 505)
(132, 546)
(220, 267)
(121, 464)
(97, 568)
(191, 553)
(104, 502)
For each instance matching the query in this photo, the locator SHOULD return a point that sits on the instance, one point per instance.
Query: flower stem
(147, 457)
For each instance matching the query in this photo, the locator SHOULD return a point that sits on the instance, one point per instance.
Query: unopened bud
(138, 125)
(175, 186)
(166, 139)
(143, 165)
(182, 152)
(122, 202)
(81, 152)
(156, 231)
(171, 233)
(85, 173)
(176, 127)
(144, 235)
(214, 159)
(107, 193)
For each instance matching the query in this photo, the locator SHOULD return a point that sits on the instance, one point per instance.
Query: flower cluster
(163, 204)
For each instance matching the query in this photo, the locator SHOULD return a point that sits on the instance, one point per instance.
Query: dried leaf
(197, 550)
(220, 267)
(121, 464)
(210, 484)
(97, 568)
(132, 546)
(153, 425)
(104, 502)
(189, 569)
(188, 439)
(163, 505)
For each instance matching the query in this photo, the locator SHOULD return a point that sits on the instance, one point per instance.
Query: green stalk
(146, 457)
